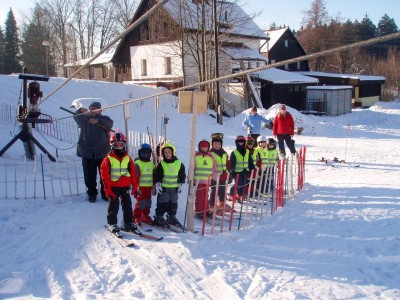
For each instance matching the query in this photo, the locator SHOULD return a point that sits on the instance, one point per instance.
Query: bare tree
(60, 13)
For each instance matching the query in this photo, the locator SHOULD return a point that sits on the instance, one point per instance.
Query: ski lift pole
(126, 117)
(155, 137)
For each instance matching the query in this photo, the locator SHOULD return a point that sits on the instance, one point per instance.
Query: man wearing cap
(283, 130)
(253, 123)
(93, 145)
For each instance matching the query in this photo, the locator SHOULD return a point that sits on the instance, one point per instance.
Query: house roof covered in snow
(330, 87)
(233, 19)
(338, 75)
(278, 76)
(243, 53)
(275, 35)
(102, 59)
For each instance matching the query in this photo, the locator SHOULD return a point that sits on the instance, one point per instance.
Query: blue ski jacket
(254, 122)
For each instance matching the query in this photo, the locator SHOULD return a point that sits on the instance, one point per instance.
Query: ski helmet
(250, 141)
(204, 143)
(144, 151)
(117, 141)
(217, 137)
(170, 146)
(240, 141)
(271, 141)
(261, 139)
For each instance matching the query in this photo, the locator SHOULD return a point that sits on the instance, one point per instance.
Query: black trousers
(285, 138)
(167, 202)
(122, 194)
(221, 192)
(90, 169)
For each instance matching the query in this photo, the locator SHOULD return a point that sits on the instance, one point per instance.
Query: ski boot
(160, 222)
(172, 220)
(131, 227)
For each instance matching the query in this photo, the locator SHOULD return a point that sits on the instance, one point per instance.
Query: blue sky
(289, 12)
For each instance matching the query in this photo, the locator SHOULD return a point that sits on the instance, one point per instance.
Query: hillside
(338, 238)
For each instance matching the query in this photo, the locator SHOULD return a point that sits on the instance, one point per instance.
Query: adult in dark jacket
(283, 130)
(93, 145)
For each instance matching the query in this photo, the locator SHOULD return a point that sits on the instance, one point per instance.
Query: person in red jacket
(118, 173)
(283, 130)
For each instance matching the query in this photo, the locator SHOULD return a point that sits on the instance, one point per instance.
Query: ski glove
(159, 188)
(179, 188)
(137, 193)
(154, 191)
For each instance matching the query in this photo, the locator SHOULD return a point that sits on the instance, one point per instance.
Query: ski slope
(339, 238)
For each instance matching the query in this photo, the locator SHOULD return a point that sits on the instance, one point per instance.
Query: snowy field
(339, 238)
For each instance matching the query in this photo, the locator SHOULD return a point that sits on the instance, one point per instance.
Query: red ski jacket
(123, 181)
(283, 124)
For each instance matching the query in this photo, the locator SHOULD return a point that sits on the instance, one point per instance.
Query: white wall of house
(155, 57)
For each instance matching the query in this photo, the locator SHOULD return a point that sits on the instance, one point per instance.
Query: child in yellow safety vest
(205, 169)
(250, 145)
(145, 171)
(118, 173)
(241, 164)
(170, 176)
(262, 159)
(222, 163)
(273, 157)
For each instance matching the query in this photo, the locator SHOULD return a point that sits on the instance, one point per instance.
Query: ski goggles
(218, 135)
(118, 145)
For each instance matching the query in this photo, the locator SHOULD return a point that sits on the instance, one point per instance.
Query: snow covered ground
(339, 238)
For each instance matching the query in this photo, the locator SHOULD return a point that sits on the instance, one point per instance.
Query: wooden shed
(332, 100)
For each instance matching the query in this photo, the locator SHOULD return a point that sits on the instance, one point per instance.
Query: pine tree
(386, 25)
(1, 51)
(366, 29)
(11, 42)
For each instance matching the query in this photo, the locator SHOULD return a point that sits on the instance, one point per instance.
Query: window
(105, 71)
(226, 16)
(298, 65)
(168, 69)
(144, 33)
(91, 72)
(286, 43)
(143, 64)
(257, 64)
(166, 29)
(249, 65)
(286, 67)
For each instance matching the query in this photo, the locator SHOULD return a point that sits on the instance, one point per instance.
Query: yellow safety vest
(118, 168)
(272, 157)
(220, 161)
(242, 163)
(263, 153)
(171, 171)
(146, 172)
(203, 167)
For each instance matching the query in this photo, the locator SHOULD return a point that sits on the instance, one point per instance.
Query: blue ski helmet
(144, 151)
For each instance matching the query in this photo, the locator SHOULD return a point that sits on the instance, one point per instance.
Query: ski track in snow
(339, 238)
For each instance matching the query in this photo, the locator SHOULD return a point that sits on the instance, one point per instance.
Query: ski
(170, 228)
(144, 235)
(120, 239)
(336, 160)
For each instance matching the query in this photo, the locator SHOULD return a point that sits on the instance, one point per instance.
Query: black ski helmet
(144, 151)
